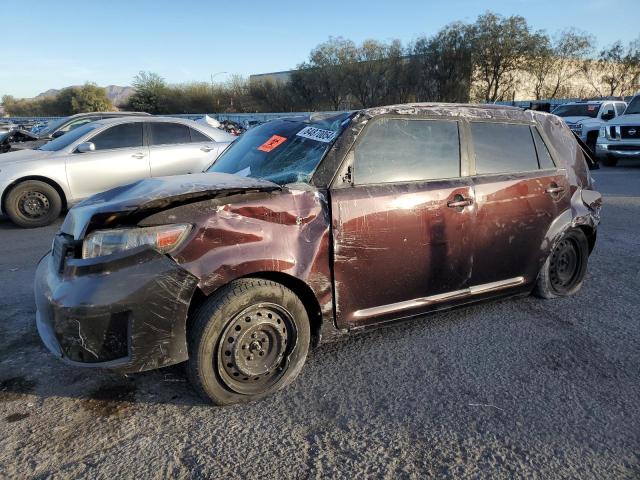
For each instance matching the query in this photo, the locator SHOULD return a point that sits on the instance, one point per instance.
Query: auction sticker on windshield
(274, 142)
(317, 134)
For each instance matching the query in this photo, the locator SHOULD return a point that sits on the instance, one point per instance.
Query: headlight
(578, 129)
(602, 132)
(105, 242)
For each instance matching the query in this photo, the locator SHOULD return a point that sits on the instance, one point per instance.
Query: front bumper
(126, 313)
(618, 150)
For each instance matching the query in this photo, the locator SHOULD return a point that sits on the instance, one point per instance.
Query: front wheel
(563, 272)
(248, 340)
(610, 161)
(33, 203)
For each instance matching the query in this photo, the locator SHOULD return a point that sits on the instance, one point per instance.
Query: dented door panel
(514, 213)
(394, 243)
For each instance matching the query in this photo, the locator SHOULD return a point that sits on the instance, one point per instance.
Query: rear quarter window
(503, 148)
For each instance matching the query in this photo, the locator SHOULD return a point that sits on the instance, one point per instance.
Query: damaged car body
(303, 230)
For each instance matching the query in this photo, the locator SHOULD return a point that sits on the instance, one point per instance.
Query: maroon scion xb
(307, 228)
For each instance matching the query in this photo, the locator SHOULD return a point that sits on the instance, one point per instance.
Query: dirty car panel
(356, 254)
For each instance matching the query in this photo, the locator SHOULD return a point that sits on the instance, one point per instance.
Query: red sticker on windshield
(274, 142)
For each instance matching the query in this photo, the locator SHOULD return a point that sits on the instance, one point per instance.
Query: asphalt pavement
(514, 388)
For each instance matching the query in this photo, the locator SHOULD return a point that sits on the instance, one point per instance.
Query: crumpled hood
(155, 194)
(631, 119)
(22, 156)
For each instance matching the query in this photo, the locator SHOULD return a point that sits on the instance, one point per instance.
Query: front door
(519, 192)
(119, 158)
(402, 226)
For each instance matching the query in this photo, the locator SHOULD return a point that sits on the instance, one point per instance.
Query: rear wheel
(563, 272)
(33, 203)
(247, 341)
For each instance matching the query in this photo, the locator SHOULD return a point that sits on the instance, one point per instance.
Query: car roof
(217, 134)
(466, 110)
(110, 114)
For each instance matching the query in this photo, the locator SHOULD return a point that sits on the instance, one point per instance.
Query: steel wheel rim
(34, 204)
(255, 348)
(566, 265)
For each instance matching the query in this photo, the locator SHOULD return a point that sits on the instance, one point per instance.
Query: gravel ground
(521, 387)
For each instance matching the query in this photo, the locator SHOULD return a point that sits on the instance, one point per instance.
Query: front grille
(625, 148)
(630, 132)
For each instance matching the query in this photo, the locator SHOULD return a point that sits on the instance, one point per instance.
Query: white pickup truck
(620, 138)
(586, 118)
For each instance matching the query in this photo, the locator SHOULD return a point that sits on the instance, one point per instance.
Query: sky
(69, 42)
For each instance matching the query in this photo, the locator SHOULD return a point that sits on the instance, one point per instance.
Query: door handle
(460, 202)
(206, 149)
(553, 190)
(138, 155)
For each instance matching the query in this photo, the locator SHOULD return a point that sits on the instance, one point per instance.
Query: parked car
(28, 139)
(586, 118)
(305, 229)
(620, 138)
(35, 185)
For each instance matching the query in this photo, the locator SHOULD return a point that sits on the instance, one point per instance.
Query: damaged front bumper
(126, 311)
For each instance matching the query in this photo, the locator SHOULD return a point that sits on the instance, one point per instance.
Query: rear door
(402, 226)
(177, 149)
(519, 192)
(120, 157)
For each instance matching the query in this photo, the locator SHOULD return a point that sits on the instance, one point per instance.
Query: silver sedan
(35, 185)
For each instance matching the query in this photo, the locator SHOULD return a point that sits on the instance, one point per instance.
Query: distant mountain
(118, 95)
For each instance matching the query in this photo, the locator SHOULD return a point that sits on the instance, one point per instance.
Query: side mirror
(57, 134)
(608, 115)
(86, 147)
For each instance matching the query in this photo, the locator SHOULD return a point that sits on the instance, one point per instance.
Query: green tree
(151, 93)
(443, 64)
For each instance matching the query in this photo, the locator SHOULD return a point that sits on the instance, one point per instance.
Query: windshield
(282, 151)
(634, 106)
(581, 110)
(51, 126)
(68, 138)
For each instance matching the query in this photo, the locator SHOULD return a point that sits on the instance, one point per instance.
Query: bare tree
(616, 71)
(553, 64)
(501, 46)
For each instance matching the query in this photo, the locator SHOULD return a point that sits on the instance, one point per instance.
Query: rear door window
(126, 135)
(198, 137)
(406, 150)
(168, 133)
(503, 148)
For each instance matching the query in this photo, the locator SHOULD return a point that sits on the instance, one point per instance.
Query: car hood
(156, 194)
(575, 120)
(23, 156)
(631, 119)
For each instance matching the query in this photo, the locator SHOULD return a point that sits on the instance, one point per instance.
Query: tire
(591, 143)
(248, 340)
(610, 161)
(32, 204)
(563, 272)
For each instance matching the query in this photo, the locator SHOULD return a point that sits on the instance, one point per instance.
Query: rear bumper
(128, 313)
